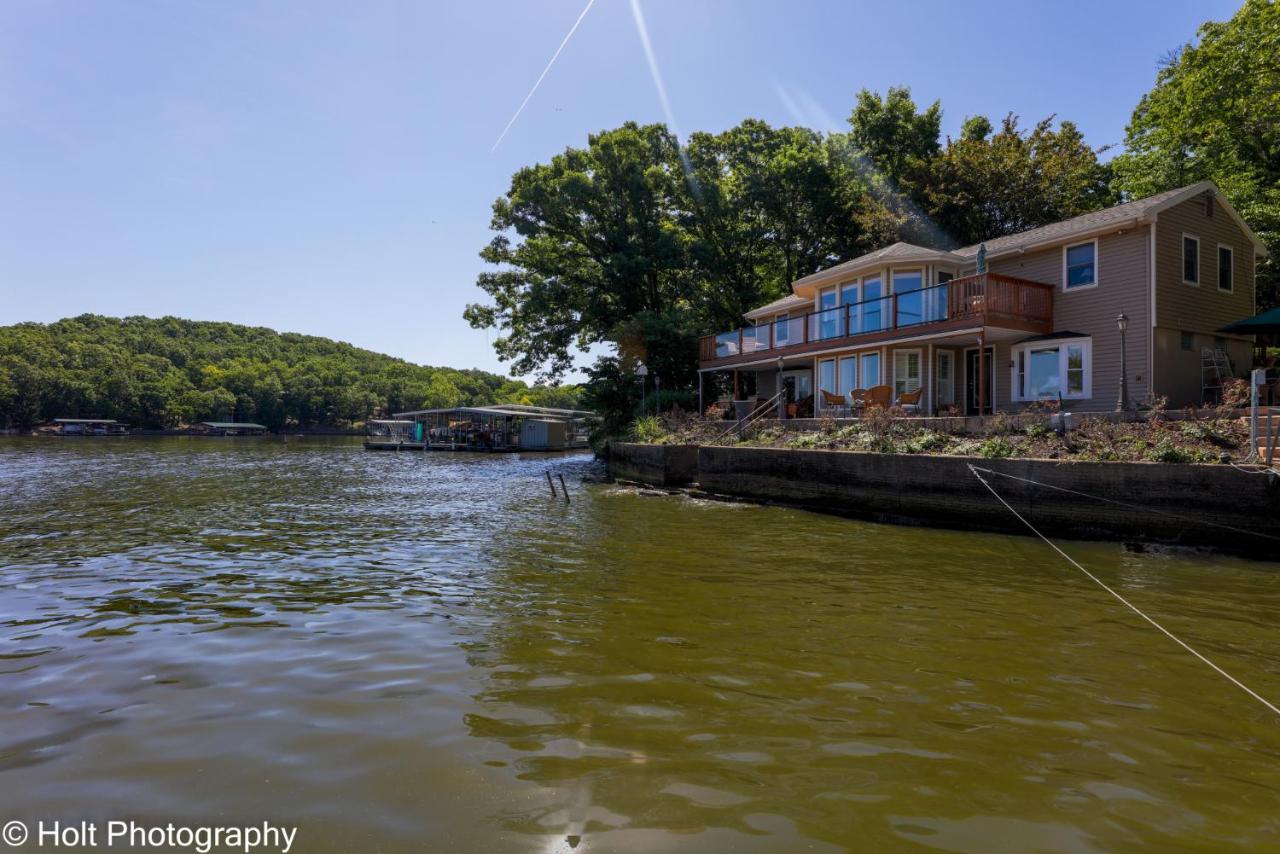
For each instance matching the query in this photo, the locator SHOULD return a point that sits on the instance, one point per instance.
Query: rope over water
(1124, 601)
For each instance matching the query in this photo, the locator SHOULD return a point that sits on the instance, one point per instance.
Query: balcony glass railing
(980, 297)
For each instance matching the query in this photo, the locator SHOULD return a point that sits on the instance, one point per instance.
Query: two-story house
(1031, 316)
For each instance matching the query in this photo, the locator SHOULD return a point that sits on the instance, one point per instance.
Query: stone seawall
(1157, 502)
(659, 465)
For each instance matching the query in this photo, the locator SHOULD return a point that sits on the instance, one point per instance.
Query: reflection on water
(391, 650)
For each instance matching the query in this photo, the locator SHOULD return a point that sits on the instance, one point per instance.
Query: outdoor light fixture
(642, 371)
(1122, 405)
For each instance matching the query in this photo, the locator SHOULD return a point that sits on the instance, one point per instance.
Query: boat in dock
(391, 434)
(500, 428)
(80, 427)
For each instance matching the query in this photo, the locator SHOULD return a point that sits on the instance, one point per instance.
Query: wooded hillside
(168, 371)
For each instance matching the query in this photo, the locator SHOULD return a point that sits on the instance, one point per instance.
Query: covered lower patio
(953, 374)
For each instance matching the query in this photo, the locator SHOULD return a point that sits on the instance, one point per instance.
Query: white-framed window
(907, 285)
(828, 317)
(906, 371)
(869, 370)
(1190, 260)
(944, 374)
(1042, 370)
(1226, 268)
(1080, 265)
(827, 375)
(848, 374)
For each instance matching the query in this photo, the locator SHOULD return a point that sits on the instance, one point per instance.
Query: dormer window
(1080, 265)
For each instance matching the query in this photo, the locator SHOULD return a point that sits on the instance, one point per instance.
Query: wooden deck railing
(984, 299)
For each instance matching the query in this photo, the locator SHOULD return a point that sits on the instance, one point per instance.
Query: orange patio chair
(910, 401)
(880, 395)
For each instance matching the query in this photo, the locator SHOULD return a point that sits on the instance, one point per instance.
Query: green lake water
(403, 652)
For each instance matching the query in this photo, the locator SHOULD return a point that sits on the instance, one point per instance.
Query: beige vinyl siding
(1199, 310)
(1178, 377)
(1205, 308)
(1123, 286)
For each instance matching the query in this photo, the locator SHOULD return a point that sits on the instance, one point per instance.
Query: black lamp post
(1122, 405)
(642, 371)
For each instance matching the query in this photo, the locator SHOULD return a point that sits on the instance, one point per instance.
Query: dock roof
(544, 412)
(86, 421)
(228, 425)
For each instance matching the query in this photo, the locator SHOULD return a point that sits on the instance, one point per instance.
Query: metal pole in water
(564, 488)
(551, 484)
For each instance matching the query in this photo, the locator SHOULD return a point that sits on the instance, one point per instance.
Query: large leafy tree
(986, 184)
(1215, 113)
(763, 207)
(597, 245)
(639, 244)
(893, 134)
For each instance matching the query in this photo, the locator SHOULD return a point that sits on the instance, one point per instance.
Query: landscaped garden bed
(1212, 436)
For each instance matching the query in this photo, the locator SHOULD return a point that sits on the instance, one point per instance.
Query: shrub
(994, 449)
(648, 430)
(926, 441)
(1167, 452)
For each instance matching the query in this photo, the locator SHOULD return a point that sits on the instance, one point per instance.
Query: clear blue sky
(326, 167)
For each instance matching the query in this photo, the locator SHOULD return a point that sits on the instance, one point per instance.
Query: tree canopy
(1214, 113)
(167, 372)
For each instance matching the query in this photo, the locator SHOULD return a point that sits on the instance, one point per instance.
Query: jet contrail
(538, 82)
(656, 74)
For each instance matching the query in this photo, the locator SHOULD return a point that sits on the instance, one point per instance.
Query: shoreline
(1184, 504)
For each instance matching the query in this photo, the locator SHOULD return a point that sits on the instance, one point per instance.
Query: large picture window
(1045, 370)
(1080, 265)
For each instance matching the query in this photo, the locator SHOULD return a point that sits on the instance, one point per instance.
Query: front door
(971, 381)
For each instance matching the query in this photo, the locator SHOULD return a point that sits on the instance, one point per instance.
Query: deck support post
(982, 373)
(701, 408)
(737, 385)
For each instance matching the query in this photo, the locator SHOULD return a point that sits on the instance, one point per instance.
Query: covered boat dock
(500, 427)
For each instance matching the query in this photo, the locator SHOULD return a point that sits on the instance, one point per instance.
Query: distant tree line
(642, 243)
(168, 372)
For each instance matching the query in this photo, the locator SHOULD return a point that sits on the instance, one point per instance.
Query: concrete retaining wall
(660, 465)
(943, 490)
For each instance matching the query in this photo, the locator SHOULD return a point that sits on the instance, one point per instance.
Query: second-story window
(1081, 265)
(1190, 259)
(1225, 259)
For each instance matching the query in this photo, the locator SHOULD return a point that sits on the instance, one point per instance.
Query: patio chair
(857, 400)
(834, 403)
(910, 401)
(879, 395)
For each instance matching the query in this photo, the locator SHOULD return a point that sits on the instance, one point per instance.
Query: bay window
(1049, 369)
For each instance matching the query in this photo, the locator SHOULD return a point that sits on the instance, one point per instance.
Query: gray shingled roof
(1121, 213)
(782, 304)
(900, 251)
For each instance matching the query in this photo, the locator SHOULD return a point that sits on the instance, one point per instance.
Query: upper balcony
(984, 299)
